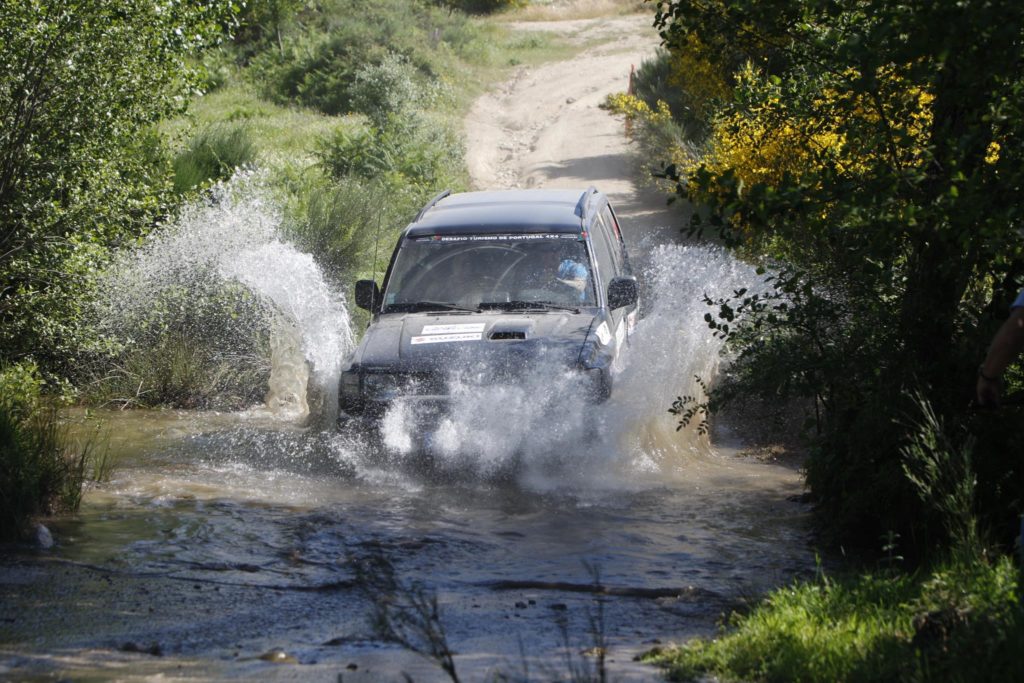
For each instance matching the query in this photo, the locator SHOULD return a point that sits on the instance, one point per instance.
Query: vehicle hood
(432, 342)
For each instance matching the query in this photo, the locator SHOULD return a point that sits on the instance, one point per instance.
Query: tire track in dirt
(544, 126)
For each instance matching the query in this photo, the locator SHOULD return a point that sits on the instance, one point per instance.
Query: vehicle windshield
(509, 272)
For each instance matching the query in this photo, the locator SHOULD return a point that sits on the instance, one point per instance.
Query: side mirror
(623, 291)
(367, 295)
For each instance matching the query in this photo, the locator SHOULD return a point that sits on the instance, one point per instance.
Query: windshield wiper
(528, 305)
(430, 306)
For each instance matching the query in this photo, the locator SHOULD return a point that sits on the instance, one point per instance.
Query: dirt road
(544, 127)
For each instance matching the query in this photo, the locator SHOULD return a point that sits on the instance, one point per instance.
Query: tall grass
(213, 154)
(959, 622)
(200, 344)
(41, 469)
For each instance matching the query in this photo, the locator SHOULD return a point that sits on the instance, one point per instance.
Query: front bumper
(372, 393)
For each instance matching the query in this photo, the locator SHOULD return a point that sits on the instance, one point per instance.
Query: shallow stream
(224, 545)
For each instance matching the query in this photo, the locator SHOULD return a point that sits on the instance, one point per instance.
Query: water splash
(541, 429)
(235, 236)
(673, 347)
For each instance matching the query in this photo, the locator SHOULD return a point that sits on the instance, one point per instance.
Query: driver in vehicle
(555, 270)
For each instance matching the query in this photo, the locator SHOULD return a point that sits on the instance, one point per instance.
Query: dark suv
(488, 285)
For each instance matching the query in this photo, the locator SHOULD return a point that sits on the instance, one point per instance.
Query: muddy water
(224, 537)
(221, 538)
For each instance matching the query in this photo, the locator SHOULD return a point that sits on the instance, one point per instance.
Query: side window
(603, 254)
(609, 220)
(609, 245)
(618, 247)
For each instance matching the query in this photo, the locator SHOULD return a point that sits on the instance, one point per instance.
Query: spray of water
(235, 236)
(540, 428)
(543, 429)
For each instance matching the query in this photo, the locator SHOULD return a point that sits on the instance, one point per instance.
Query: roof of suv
(519, 211)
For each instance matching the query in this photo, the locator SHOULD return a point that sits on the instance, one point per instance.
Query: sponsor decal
(447, 338)
(498, 238)
(453, 329)
(604, 335)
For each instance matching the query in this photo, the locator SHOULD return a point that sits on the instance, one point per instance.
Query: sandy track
(544, 127)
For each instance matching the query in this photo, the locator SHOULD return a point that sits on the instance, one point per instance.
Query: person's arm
(1006, 345)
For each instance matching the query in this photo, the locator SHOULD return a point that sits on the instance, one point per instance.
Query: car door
(610, 263)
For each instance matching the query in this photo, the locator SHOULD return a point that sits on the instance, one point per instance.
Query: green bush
(40, 473)
(318, 69)
(876, 627)
(82, 82)
(413, 150)
(386, 89)
(319, 65)
(213, 154)
(849, 158)
(341, 221)
(204, 344)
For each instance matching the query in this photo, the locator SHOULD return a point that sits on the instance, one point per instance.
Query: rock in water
(278, 656)
(42, 536)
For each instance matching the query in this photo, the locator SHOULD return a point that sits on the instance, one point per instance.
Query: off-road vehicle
(487, 286)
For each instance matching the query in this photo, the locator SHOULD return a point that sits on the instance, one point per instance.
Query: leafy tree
(80, 170)
(872, 154)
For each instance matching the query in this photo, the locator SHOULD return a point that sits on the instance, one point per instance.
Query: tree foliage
(80, 170)
(871, 152)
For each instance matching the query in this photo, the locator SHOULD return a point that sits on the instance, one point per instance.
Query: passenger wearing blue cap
(573, 274)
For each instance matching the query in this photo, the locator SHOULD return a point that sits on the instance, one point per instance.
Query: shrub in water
(39, 473)
(205, 345)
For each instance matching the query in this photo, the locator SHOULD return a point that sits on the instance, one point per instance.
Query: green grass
(41, 468)
(960, 622)
(298, 146)
(213, 154)
(282, 134)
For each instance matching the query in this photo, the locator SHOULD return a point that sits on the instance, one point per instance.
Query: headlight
(594, 355)
(596, 384)
(350, 384)
(383, 386)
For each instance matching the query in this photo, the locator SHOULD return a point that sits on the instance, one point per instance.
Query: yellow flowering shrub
(654, 129)
(692, 70)
(766, 142)
(992, 153)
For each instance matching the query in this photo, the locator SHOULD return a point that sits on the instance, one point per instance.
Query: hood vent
(500, 335)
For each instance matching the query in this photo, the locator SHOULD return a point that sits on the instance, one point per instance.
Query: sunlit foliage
(869, 155)
(80, 85)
